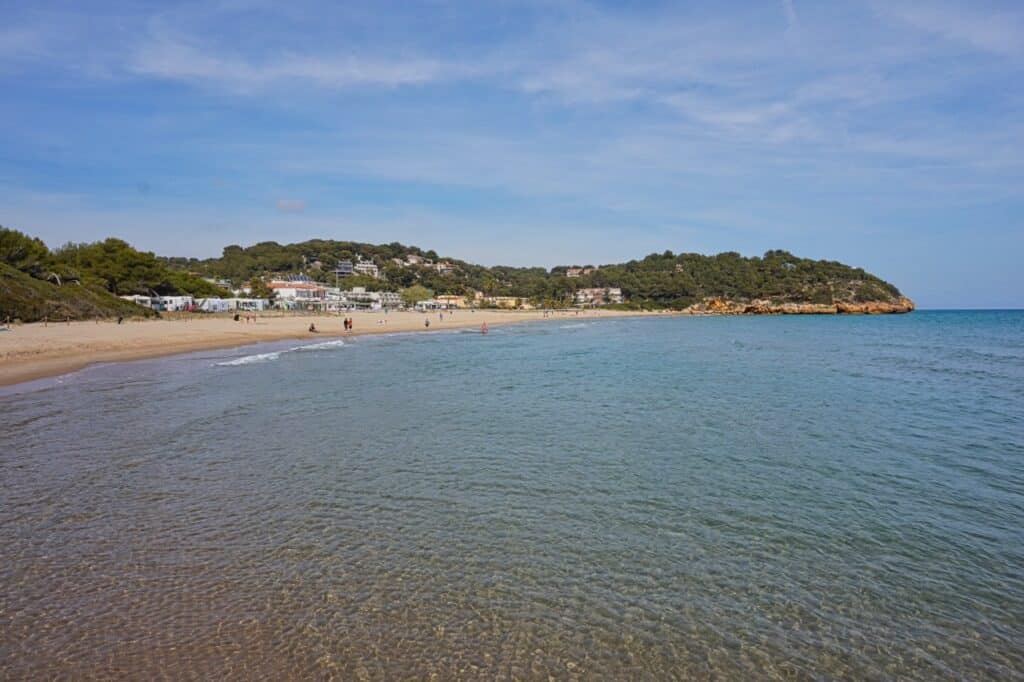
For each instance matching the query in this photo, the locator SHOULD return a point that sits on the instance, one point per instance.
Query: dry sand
(34, 351)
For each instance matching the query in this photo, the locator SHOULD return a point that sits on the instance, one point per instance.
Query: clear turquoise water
(808, 497)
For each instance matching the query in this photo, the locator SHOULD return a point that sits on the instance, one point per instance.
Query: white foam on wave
(268, 357)
(326, 345)
(250, 359)
(577, 325)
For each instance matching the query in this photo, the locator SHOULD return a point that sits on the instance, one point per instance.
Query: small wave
(250, 359)
(268, 357)
(577, 325)
(326, 345)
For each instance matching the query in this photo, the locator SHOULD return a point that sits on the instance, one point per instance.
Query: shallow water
(809, 497)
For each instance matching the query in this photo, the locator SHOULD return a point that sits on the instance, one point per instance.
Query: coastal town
(298, 291)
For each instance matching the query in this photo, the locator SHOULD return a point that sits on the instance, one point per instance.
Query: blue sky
(884, 134)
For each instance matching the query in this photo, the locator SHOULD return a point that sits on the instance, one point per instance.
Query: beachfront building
(390, 299)
(452, 301)
(366, 267)
(248, 303)
(413, 259)
(358, 298)
(430, 304)
(598, 296)
(144, 301)
(298, 291)
(509, 302)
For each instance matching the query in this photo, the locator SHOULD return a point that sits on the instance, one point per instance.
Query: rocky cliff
(720, 306)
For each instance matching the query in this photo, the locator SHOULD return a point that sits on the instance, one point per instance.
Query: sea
(740, 498)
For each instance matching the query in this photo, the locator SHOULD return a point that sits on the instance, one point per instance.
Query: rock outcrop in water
(720, 306)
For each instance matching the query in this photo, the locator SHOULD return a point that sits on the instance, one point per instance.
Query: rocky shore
(720, 306)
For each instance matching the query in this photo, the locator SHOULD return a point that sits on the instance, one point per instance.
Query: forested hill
(83, 281)
(661, 280)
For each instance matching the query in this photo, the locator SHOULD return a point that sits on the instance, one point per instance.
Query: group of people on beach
(347, 323)
(249, 318)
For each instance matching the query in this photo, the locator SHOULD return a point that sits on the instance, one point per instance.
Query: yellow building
(452, 301)
(511, 302)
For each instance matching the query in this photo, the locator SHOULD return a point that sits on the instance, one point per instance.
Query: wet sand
(35, 351)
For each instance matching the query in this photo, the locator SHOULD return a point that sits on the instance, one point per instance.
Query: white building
(430, 304)
(444, 267)
(173, 303)
(359, 297)
(301, 292)
(365, 267)
(598, 296)
(248, 303)
(144, 301)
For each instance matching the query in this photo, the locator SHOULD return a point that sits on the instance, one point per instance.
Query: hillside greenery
(80, 281)
(660, 280)
(26, 298)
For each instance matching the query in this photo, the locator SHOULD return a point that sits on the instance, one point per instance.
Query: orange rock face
(721, 306)
(900, 305)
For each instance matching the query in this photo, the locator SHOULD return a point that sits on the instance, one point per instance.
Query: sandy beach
(35, 351)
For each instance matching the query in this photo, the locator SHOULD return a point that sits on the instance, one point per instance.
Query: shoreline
(36, 351)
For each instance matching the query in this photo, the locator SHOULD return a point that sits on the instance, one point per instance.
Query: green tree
(259, 289)
(23, 252)
(416, 293)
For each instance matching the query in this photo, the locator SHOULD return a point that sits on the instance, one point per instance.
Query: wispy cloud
(792, 20)
(177, 60)
(998, 31)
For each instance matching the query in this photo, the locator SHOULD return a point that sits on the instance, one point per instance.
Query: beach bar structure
(247, 303)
